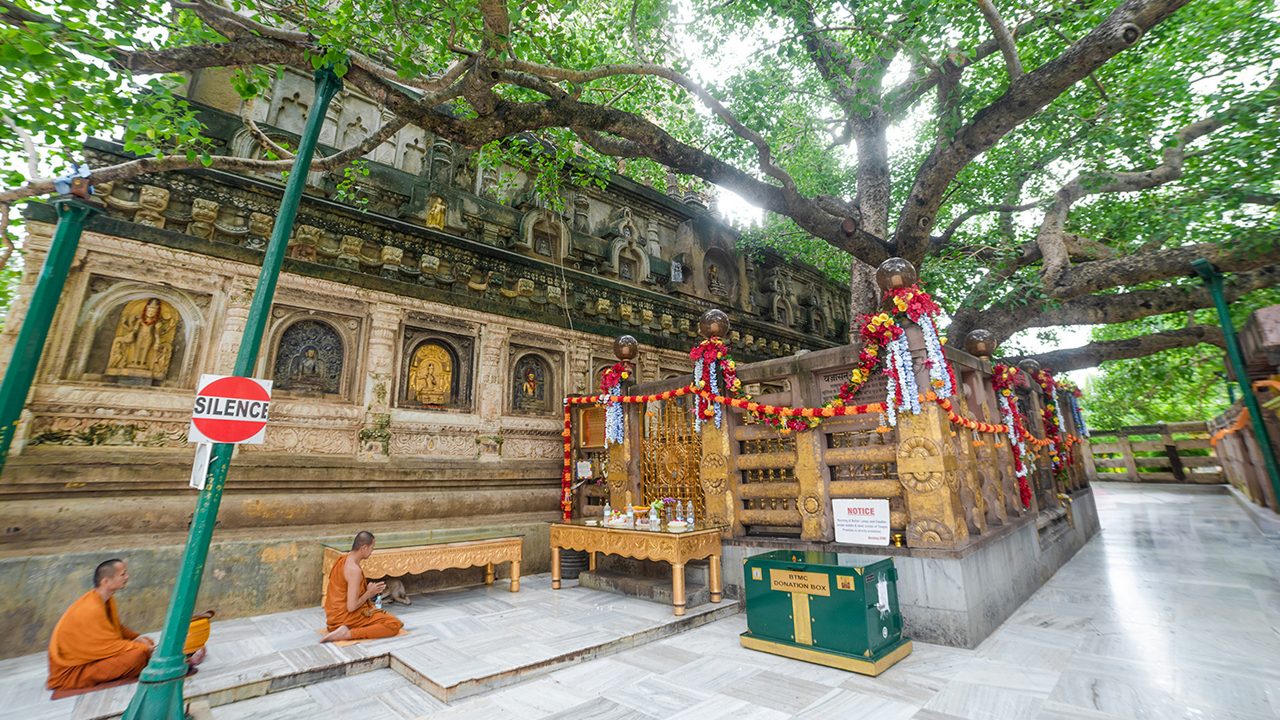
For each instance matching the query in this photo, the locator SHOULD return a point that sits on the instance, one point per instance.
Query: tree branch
(1003, 38)
(1096, 353)
(1025, 97)
(1052, 237)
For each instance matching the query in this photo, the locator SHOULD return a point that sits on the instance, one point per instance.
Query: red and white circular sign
(230, 409)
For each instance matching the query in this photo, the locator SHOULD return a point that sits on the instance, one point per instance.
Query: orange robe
(90, 646)
(366, 623)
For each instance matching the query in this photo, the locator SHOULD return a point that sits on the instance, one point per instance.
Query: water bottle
(653, 518)
(679, 511)
(377, 601)
(608, 511)
(631, 516)
(688, 515)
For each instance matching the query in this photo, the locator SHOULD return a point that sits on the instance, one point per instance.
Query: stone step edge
(463, 689)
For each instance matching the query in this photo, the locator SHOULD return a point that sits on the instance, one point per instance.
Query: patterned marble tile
(850, 705)
(788, 693)
(980, 702)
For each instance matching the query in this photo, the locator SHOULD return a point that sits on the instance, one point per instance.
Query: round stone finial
(626, 348)
(713, 323)
(1029, 366)
(896, 273)
(980, 343)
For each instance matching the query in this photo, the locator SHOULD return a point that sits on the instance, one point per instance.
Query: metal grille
(671, 455)
(869, 470)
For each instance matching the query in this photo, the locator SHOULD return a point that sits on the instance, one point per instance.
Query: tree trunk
(873, 205)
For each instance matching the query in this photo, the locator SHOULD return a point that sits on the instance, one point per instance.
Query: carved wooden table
(676, 548)
(408, 557)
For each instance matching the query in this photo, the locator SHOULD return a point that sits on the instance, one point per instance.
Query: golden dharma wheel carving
(895, 273)
(626, 348)
(914, 455)
(713, 323)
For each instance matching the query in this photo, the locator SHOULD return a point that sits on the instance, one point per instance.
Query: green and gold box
(827, 608)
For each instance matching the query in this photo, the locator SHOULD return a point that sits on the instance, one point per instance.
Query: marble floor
(1173, 611)
(458, 642)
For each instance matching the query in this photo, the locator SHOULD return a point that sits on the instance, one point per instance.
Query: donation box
(828, 608)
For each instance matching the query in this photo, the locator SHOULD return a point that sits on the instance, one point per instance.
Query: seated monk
(348, 607)
(90, 645)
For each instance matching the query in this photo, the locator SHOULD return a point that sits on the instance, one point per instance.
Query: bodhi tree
(1044, 163)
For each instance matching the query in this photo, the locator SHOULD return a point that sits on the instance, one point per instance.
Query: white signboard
(861, 522)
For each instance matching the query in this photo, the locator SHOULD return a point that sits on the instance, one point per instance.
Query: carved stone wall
(343, 362)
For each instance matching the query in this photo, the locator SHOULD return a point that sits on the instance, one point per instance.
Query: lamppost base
(159, 700)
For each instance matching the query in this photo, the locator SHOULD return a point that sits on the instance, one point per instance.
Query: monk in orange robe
(90, 645)
(348, 606)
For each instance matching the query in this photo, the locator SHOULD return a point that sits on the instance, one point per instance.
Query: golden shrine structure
(967, 549)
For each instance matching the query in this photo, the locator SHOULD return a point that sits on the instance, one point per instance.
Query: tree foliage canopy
(1048, 163)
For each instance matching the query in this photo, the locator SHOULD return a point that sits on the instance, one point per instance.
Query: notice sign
(861, 522)
(230, 409)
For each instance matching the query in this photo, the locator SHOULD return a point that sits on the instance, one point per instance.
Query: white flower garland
(614, 427)
(1007, 412)
(937, 359)
(697, 381)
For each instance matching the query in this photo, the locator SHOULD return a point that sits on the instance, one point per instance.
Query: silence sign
(230, 409)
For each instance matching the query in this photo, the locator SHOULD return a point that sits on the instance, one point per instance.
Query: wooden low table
(676, 548)
(409, 557)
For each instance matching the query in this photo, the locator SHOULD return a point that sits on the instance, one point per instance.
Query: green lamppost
(159, 695)
(72, 215)
(1213, 280)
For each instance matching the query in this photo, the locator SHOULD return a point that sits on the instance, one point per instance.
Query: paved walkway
(1173, 611)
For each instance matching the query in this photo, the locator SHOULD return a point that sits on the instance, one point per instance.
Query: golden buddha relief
(436, 212)
(431, 374)
(143, 343)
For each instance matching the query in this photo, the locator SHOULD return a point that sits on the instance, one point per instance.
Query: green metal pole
(1213, 279)
(72, 215)
(159, 695)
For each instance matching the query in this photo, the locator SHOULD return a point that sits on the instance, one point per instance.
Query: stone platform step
(459, 643)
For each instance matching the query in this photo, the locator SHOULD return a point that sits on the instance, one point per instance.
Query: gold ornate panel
(671, 455)
(674, 548)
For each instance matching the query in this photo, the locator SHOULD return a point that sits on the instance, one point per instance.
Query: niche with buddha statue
(435, 370)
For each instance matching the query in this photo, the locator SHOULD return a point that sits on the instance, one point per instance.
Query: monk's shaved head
(364, 538)
(107, 570)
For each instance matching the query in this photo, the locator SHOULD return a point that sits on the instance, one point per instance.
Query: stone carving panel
(309, 359)
(531, 385)
(144, 340)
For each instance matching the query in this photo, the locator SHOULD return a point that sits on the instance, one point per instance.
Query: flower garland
(1073, 400)
(1052, 418)
(883, 336)
(1002, 379)
(713, 370)
(611, 390)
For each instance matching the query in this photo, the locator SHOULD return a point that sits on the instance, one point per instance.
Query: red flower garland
(1003, 379)
(1049, 414)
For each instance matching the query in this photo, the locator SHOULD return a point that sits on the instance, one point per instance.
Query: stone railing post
(814, 498)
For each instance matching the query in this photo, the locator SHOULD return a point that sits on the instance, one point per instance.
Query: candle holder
(898, 540)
